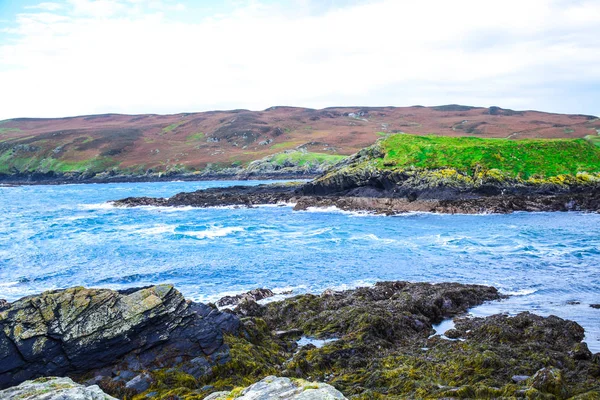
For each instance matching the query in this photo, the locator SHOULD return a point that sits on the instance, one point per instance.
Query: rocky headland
(276, 143)
(152, 343)
(405, 173)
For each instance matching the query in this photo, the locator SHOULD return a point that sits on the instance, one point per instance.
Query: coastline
(578, 199)
(360, 341)
(43, 179)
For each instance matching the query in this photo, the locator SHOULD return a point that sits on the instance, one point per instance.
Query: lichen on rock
(53, 389)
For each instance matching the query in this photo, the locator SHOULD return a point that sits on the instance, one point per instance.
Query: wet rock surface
(385, 347)
(253, 295)
(53, 389)
(380, 201)
(215, 197)
(82, 331)
(589, 201)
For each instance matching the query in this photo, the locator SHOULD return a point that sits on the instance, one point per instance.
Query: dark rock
(78, 331)
(292, 333)
(387, 311)
(550, 380)
(254, 295)
(234, 195)
(595, 306)
(519, 378)
(581, 352)
(3, 304)
(573, 303)
(452, 334)
(140, 383)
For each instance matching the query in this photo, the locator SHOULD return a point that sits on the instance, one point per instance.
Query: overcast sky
(74, 57)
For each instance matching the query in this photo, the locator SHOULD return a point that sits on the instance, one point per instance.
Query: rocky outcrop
(386, 347)
(296, 162)
(151, 343)
(385, 312)
(82, 331)
(276, 388)
(215, 197)
(54, 389)
(587, 201)
(253, 295)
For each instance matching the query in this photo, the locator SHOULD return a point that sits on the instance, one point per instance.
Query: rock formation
(276, 388)
(77, 331)
(53, 389)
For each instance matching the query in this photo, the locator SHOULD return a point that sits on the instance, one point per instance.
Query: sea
(59, 236)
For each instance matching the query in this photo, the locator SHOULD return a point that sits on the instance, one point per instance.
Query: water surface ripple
(61, 236)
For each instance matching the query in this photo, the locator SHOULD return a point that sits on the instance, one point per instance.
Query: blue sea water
(61, 236)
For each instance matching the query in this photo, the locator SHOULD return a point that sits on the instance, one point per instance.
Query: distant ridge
(218, 140)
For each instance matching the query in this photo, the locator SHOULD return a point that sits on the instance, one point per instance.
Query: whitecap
(97, 206)
(373, 237)
(521, 292)
(213, 232)
(156, 230)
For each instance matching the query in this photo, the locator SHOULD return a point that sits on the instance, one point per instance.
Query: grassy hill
(435, 166)
(221, 140)
(469, 155)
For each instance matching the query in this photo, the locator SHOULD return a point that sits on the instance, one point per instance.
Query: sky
(76, 57)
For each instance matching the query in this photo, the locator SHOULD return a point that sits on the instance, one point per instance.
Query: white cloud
(46, 6)
(135, 56)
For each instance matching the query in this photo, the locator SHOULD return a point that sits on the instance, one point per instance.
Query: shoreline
(374, 202)
(375, 332)
(8, 181)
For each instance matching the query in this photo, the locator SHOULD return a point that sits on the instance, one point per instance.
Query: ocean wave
(373, 237)
(521, 292)
(97, 206)
(213, 232)
(156, 230)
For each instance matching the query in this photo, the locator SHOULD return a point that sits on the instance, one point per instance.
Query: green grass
(194, 137)
(517, 158)
(8, 130)
(306, 158)
(284, 145)
(9, 162)
(593, 139)
(172, 127)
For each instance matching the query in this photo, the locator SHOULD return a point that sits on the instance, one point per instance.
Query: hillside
(226, 141)
(449, 167)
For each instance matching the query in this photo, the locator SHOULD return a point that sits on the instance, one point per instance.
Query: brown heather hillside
(191, 141)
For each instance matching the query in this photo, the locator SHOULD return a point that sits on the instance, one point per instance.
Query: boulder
(276, 388)
(254, 295)
(53, 389)
(550, 380)
(78, 331)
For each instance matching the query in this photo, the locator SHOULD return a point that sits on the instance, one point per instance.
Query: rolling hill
(224, 142)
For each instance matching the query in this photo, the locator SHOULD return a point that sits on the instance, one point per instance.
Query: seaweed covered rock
(276, 388)
(387, 312)
(53, 389)
(77, 331)
(385, 348)
(254, 295)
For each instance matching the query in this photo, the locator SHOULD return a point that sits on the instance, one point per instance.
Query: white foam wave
(522, 292)
(213, 232)
(97, 206)
(275, 205)
(156, 230)
(372, 237)
(353, 285)
(165, 209)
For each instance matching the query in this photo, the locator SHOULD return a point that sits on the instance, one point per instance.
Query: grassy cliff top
(517, 158)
